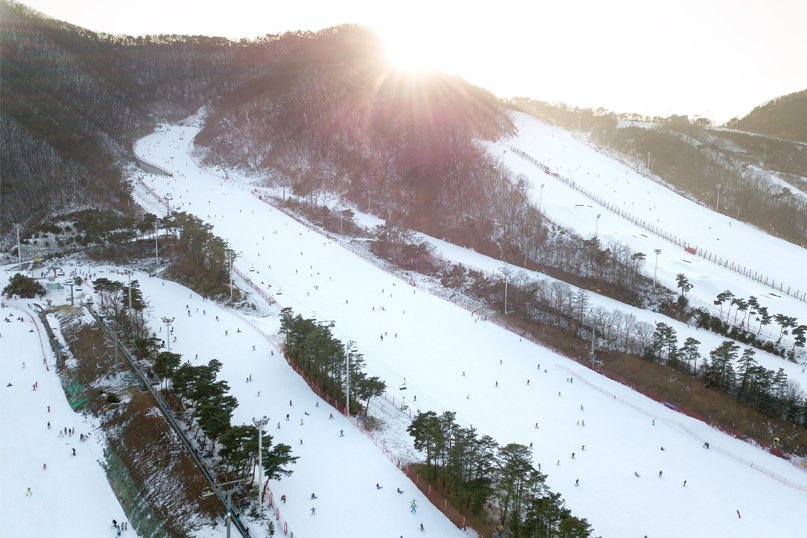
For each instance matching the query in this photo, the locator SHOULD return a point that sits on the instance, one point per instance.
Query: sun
(409, 55)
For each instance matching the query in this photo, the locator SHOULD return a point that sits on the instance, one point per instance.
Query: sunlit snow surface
(71, 498)
(436, 341)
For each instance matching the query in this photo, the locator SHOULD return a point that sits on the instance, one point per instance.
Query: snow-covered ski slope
(341, 471)
(652, 202)
(431, 342)
(71, 498)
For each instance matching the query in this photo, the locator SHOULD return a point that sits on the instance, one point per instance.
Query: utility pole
(260, 424)
(648, 160)
(19, 256)
(156, 246)
(593, 335)
(168, 321)
(655, 269)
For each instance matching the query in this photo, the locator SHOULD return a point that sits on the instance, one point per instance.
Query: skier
(313, 511)
(685, 483)
(378, 486)
(738, 515)
(283, 498)
(399, 490)
(413, 506)
(422, 528)
(74, 451)
(28, 493)
(706, 445)
(660, 473)
(341, 433)
(636, 474)
(314, 496)
(44, 466)
(577, 482)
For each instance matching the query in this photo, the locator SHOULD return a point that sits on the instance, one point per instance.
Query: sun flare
(409, 55)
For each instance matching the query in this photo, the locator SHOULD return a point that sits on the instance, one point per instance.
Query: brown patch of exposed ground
(159, 480)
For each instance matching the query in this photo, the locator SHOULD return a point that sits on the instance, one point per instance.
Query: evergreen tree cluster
(735, 373)
(23, 286)
(114, 303)
(749, 311)
(475, 470)
(311, 346)
(212, 409)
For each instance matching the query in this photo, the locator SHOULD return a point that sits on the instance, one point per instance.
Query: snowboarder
(636, 474)
(399, 490)
(422, 528)
(314, 496)
(706, 445)
(378, 486)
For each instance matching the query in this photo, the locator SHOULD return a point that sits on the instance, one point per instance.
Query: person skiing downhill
(413, 506)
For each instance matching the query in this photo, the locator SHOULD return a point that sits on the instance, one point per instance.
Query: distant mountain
(783, 117)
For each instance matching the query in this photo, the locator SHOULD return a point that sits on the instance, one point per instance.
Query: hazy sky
(715, 58)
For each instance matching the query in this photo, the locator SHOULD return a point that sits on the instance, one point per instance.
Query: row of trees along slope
(75, 100)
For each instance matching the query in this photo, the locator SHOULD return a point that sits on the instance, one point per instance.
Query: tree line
(327, 362)
(475, 471)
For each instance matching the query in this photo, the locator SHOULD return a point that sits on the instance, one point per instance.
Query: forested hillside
(330, 115)
(784, 117)
(73, 101)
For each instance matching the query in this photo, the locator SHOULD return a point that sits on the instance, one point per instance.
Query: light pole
(506, 271)
(597, 225)
(168, 321)
(648, 159)
(717, 205)
(230, 256)
(168, 199)
(593, 335)
(156, 245)
(129, 272)
(260, 424)
(347, 377)
(541, 199)
(655, 269)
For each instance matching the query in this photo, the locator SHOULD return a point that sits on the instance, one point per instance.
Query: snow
(607, 178)
(429, 342)
(71, 498)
